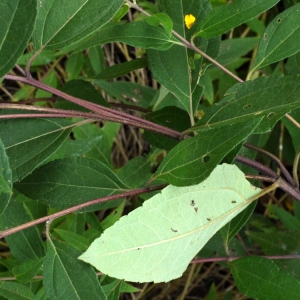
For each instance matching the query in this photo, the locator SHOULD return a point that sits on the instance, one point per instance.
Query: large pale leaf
(29, 142)
(226, 17)
(68, 182)
(17, 19)
(205, 151)
(157, 241)
(5, 180)
(281, 38)
(269, 98)
(61, 24)
(61, 274)
(259, 278)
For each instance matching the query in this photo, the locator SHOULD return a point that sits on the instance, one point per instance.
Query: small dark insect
(138, 248)
(115, 212)
(196, 209)
(233, 201)
(192, 203)
(208, 219)
(174, 230)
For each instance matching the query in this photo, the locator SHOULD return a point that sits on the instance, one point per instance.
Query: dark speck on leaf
(192, 202)
(115, 212)
(208, 219)
(196, 209)
(174, 230)
(233, 201)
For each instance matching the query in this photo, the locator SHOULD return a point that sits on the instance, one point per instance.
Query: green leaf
(105, 138)
(113, 217)
(26, 271)
(68, 182)
(171, 117)
(121, 90)
(17, 19)
(25, 245)
(230, 230)
(122, 69)
(281, 38)
(205, 151)
(277, 243)
(293, 64)
(83, 90)
(157, 241)
(137, 34)
(162, 19)
(74, 65)
(136, 172)
(269, 98)
(261, 279)
(288, 220)
(15, 291)
(61, 274)
(75, 240)
(58, 26)
(171, 68)
(40, 295)
(5, 180)
(29, 142)
(226, 17)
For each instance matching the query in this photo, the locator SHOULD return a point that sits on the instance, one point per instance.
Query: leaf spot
(265, 36)
(271, 115)
(196, 209)
(247, 106)
(192, 202)
(205, 158)
(279, 20)
(208, 219)
(233, 201)
(174, 230)
(168, 121)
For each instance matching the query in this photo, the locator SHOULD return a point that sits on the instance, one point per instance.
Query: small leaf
(223, 18)
(15, 291)
(122, 69)
(61, 274)
(26, 271)
(5, 180)
(162, 19)
(281, 38)
(260, 278)
(17, 19)
(68, 182)
(58, 26)
(157, 241)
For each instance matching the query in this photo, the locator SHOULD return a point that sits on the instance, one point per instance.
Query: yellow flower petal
(189, 20)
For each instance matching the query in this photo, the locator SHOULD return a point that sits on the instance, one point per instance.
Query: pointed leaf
(223, 18)
(269, 98)
(61, 274)
(157, 241)
(5, 180)
(260, 278)
(137, 34)
(281, 38)
(25, 245)
(15, 291)
(205, 151)
(17, 19)
(68, 182)
(60, 25)
(26, 271)
(29, 142)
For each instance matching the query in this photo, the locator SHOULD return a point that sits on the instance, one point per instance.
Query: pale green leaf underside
(157, 241)
(281, 39)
